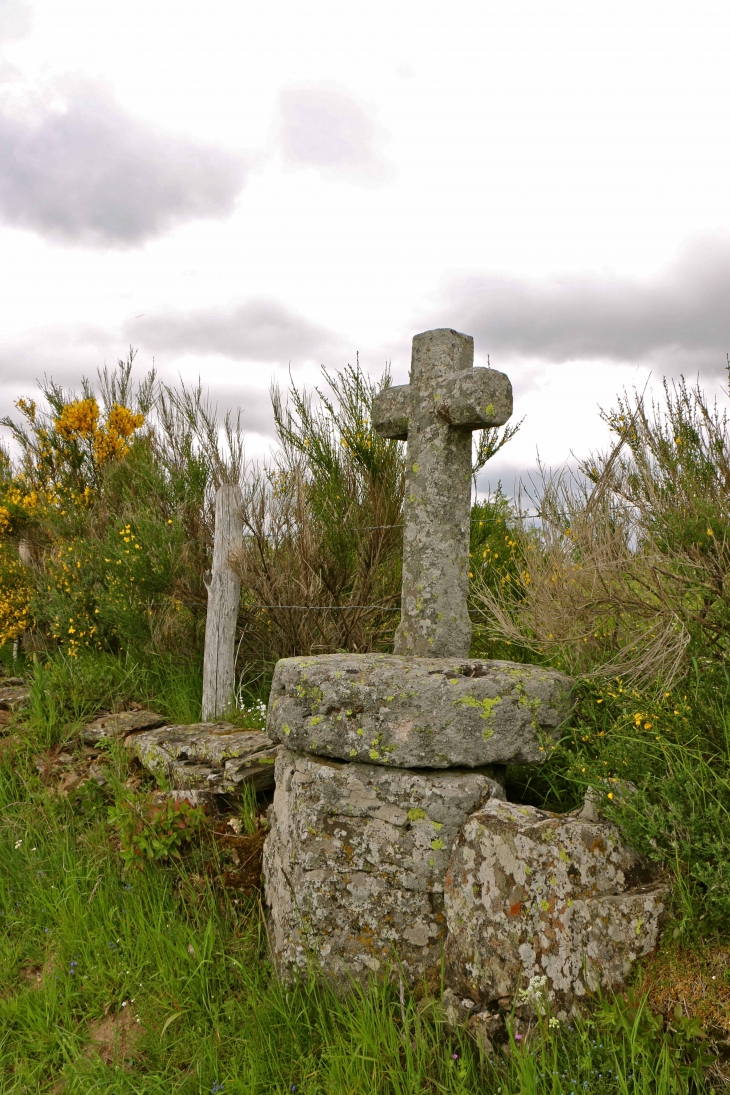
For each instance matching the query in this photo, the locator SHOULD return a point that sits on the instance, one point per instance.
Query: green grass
(81, 941)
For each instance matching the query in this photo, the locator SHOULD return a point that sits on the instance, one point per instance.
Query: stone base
(216, 758)
(355, 863)
(544, 906)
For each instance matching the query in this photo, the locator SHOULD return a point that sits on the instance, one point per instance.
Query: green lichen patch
(486, 706)
(417, 814)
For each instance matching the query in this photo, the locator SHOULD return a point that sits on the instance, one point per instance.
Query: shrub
(113, 494)
(630, 573)
(150, 830)
(114, 497)
(322, 528)
(15, 595)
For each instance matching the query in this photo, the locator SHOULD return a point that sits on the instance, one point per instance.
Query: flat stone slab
(216, 757)
(541, 904)
(14, 694)
(410, 712)
(118, 725)
(355, 862)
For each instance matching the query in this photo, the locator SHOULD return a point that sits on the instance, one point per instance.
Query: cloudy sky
(240, 189)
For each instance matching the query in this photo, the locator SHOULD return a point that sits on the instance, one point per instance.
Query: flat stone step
(410, 712)
(216, 757)
(13, 695)
(118, 725)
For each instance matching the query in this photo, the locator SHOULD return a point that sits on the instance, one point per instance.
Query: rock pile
(355, 863)
(14, 693)
(197, 760)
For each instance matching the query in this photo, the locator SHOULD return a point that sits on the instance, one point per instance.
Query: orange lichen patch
(115, 1038)
(697, 980)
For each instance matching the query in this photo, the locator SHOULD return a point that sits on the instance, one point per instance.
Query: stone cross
(436, 412)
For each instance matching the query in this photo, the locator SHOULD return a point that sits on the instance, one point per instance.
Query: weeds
(150, 830)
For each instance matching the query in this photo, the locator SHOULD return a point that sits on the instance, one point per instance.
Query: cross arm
(390, 412)
(476, 398)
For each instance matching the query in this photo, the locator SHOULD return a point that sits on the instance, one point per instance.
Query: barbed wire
(342, 608)
(339, 608)
(476, 520)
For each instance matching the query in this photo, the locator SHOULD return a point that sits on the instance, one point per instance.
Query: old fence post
(224, 593)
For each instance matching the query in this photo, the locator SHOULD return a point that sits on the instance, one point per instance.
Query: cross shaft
(436, 412)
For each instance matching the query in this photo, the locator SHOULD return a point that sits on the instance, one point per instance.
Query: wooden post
(25, 552)
(224, 593)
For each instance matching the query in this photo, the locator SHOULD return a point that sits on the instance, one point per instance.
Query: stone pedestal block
(355, 861)
(547, 900)
(409, 712)
(211, 757)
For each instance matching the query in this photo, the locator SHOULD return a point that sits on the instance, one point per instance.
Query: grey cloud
(93, 175)
(680, 319)
(63, 353)
(15, 20)
(327, 129)
(258, 330)
(66, 354)
(254, 404)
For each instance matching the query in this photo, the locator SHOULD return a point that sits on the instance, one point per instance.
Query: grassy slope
(86, 951)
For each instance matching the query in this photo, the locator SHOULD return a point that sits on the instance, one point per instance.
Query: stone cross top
(436, 412)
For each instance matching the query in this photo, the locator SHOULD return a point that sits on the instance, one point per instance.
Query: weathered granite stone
(416, 712)
(532, 895)
(445, 400)
(118, 725)
(14, 694)
(207, 756)
(355, 861)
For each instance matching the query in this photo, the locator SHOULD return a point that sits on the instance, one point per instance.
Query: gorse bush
(496, 563)
(113, 498)
(15, 595)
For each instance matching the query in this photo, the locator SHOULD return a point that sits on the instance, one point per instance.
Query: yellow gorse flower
(80, 420)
